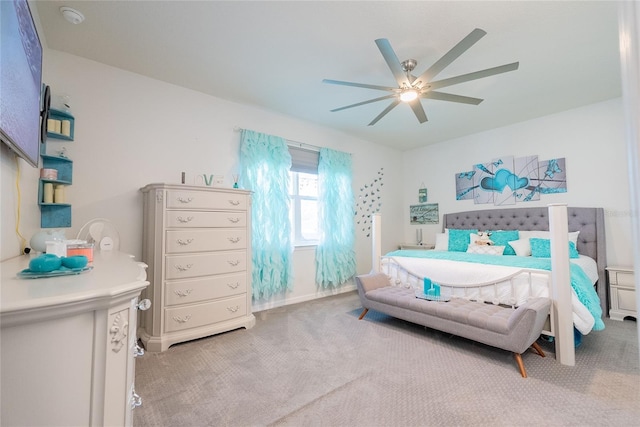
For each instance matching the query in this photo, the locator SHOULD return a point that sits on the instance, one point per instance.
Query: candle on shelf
(66, 127)
(48, 193)
(51, 125)
(58, 194)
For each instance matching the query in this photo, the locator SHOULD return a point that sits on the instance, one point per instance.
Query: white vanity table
(68, 344)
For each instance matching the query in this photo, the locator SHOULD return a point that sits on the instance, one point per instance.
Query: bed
(522, 277)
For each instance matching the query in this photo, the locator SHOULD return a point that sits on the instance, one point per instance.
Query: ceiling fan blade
(474, 76)
(384, 112)
(416, 106)
(364, 102)
(452, 98)
(364, 85)
(392, 61)
(452, 55)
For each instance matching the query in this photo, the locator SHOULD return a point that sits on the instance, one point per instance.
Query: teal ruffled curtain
(264, 169)
(335, 254)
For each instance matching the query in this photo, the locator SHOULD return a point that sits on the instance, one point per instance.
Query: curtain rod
(289, 141)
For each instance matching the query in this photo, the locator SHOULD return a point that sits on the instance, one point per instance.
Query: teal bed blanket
(580, 282)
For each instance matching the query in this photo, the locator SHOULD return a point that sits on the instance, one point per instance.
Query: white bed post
(376, 242)
(561, 284)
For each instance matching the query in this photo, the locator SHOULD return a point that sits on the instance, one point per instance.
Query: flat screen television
(20, 81)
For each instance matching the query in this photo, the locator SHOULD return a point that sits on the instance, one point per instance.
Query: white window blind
(304, 160)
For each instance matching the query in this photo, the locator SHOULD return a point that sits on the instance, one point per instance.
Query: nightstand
(424, 246)
(622, 290)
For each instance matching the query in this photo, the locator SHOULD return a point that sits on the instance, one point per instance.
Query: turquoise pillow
(502, 238)
(573, 251)
(541, 248)
(459, 239)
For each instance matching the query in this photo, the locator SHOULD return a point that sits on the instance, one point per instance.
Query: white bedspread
(464, 278)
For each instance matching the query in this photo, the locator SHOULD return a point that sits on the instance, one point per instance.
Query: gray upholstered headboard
(589, 221)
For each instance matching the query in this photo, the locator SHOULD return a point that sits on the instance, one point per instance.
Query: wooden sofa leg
(520, 363)
(538, 349)
(364, 312)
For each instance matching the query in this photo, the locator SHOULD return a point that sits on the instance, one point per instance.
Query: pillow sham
(442, 242)
(459, 239)
(485, 249)
(572, 236)
(503, 237)
(541, 248)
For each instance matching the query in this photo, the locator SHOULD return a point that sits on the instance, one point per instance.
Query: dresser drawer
(205, 288)
(198, 219)
(182, 241)
(205, 200)
(622, 278)
(185, 266)
(194, 315)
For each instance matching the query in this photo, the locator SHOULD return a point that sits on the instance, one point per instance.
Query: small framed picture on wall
(422, 195)
(424, 214)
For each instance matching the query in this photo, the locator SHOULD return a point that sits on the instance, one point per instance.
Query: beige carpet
(316, 364)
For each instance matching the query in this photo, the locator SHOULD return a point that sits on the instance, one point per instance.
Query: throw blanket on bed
(579, 280)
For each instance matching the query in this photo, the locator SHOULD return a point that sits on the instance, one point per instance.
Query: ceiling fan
(411, 88)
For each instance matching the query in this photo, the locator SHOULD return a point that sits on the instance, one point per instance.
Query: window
(303, 214)
(303, 190)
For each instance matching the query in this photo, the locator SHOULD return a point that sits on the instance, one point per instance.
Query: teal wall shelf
(56, 215)
(61, 116)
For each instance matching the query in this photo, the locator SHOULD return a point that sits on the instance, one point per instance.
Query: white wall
(131, 130)
(590, 138)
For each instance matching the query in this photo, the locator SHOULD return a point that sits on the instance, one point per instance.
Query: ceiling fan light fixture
(408, 95)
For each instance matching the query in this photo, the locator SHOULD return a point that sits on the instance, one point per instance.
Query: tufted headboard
(589, 221)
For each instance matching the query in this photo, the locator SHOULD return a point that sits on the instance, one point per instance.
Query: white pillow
(485, 249)
(522, 247)
(442, 242)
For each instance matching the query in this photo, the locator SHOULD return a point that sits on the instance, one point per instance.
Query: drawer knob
(234, 220)
(184, 319)
(234, 263)
(234, 239)
(184, 242)
(138, 351)
(233, 285)
(185, 220)
(185, 199)
(183, 293)
(233, 309)
(234, 202)
(145, 304)
(183, 268)
(136, 400)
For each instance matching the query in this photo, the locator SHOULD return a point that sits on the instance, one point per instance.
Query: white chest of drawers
(622, 289)
(197, 243)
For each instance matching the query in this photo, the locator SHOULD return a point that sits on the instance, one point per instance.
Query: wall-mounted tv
(20, 81)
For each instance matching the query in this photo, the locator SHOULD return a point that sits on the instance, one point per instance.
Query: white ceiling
(274, 55)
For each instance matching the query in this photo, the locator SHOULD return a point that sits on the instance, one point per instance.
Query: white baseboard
(266, 305)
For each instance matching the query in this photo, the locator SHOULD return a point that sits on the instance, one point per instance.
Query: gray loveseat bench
(511, 329)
